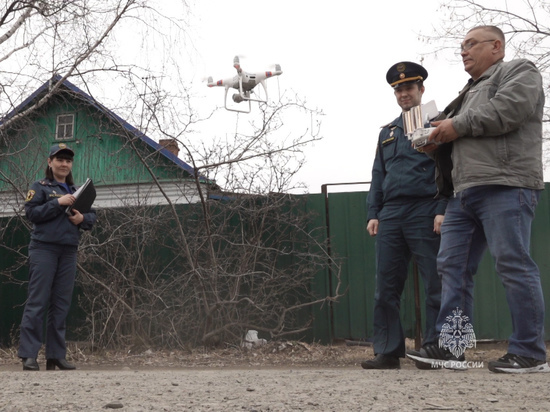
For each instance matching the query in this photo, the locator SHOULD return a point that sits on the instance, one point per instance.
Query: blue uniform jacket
(50, 222)
(401, 173)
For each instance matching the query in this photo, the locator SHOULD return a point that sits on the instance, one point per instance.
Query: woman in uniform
(52, 260)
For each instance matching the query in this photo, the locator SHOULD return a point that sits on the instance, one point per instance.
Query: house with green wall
(126, 166)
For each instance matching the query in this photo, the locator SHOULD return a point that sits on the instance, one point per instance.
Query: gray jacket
(500, 129)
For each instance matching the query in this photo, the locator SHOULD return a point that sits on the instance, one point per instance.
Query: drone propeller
(275, 72)
(237, 64)
(209, 81)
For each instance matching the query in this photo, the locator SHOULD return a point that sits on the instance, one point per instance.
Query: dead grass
(272, 354)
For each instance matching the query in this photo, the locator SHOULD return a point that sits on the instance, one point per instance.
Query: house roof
(110, 114)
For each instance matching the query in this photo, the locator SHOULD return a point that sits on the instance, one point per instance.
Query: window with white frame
(65, 127)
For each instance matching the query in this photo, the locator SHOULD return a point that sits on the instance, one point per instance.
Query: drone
(244, 83)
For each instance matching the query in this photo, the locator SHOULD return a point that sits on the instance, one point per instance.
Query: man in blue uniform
(405, 217)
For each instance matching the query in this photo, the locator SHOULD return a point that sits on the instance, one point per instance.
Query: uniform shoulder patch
(30, 195)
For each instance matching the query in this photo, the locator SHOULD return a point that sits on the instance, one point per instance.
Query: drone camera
(237, 98)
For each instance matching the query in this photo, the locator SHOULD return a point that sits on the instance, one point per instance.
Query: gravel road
(270, 389)
(290, 376)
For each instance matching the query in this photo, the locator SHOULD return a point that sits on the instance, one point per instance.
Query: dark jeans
(499, 217)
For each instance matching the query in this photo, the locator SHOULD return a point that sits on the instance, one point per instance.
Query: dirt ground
(283, 376)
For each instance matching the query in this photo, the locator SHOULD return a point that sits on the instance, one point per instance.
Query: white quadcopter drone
(244, 83)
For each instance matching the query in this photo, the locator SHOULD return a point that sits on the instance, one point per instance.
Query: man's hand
(430, 147)
(438, 221)
(444, 132)
(372, 227)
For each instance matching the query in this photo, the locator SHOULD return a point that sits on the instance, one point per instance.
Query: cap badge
(401, 67)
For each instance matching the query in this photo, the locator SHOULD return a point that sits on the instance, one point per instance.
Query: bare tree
(72, 38)
(206, 273)
(175, 275)
(526, 24)
(253, 270)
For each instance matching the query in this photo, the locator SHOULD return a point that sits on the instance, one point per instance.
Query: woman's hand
(76, 218)
(66, 200)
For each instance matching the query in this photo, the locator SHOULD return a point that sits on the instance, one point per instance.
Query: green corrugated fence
(352, 316)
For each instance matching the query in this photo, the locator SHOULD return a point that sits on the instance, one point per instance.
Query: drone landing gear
(243, 96)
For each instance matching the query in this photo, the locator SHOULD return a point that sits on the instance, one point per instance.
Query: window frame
(65, 126)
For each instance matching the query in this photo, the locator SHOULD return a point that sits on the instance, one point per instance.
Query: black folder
(85, 196)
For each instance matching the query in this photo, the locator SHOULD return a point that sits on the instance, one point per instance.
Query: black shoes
(382, 362)
(60, 363)
(30, 364)
(511, 363)
(434, 357)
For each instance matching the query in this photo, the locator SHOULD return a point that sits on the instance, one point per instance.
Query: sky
(334, 54)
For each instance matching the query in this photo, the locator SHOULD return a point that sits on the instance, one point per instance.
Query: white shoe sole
(544, 368)
(439, 363)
